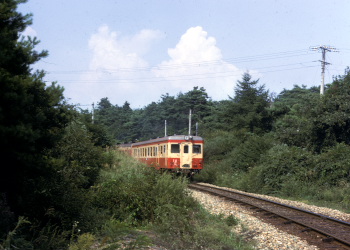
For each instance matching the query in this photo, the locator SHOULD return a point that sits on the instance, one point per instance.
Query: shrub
(84, 242)
(220, 143)
(333, 166)
(248, 154)
(278, 165)
(139, 196)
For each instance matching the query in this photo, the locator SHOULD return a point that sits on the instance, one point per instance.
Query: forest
(62, 186)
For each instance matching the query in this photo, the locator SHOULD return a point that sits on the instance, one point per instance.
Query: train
(182, 154)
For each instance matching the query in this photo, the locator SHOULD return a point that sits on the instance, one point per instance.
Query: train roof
(166, 138)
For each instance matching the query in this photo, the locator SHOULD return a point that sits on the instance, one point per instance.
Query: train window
(197, 149)
(164, 148)
(186, 149)
(175, 148)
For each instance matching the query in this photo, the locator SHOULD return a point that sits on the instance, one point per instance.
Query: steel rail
(345, 239)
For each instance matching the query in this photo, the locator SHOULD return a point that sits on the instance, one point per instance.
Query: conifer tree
(31, 116)
(248, 109)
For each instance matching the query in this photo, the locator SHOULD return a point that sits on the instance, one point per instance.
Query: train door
(158, 152)
(186, 155)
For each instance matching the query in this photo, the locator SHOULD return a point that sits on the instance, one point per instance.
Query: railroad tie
(328, 239)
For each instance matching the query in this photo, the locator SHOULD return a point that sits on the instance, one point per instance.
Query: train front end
(185, 153)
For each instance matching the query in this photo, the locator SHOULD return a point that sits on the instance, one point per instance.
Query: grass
(137, 201)
(313, 193)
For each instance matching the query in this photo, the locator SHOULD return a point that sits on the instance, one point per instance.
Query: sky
(137, 51)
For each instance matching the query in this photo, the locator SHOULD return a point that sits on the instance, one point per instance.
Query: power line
(192, 70)
(188, 77)
(271, 56)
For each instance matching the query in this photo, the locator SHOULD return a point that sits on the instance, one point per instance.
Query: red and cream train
(177, 153)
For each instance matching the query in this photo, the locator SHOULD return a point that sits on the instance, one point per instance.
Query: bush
(248, 154)
(333, 166)
(84, 242)
(139, 196)
(279, 165)
(197, 229)
(220, 143)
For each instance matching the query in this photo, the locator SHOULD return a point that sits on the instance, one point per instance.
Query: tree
(248, 109)
(197, 100)
(315, 122)
(331, 123)
(32, 117)
(292, 112)
(288, 99)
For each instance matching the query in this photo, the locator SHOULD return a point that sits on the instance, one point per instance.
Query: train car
(177, 153)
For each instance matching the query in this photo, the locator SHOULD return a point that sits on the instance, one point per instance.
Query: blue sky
(138, 50)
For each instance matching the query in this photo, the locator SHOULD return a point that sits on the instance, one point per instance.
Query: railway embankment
(265, 235)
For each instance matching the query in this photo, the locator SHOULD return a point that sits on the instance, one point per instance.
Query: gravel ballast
(266, 236)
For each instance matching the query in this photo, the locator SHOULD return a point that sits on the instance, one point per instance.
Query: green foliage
(248, 109)
(231, 220)
(16, 54)
(84, 242)
(81, 158)
(247, 154)
(219, 143)
(199, 230)
(288, 100)
(333, 166)
(10, 239)
(125, 125)
(306, 120)
(32, 121)
(279, 165)
(61, 178)
(331, 118)
(162, 204)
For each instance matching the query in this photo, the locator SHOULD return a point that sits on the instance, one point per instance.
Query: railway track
(334, 233)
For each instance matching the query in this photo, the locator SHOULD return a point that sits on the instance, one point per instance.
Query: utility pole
(189, 122)
(323, 49)
(93, 113)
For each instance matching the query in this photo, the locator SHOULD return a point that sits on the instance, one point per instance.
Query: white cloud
(113, 52)
(118, 70)
(197, 61)
(116, 67)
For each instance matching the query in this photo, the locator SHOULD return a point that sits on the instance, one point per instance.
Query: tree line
(53, 153)
(298, 117)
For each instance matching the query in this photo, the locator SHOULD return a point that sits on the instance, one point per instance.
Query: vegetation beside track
(132, 206)
(58, 185)
(260, 165)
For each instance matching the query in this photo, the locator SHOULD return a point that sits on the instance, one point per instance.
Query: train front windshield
(196, 149)
(175, 148)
